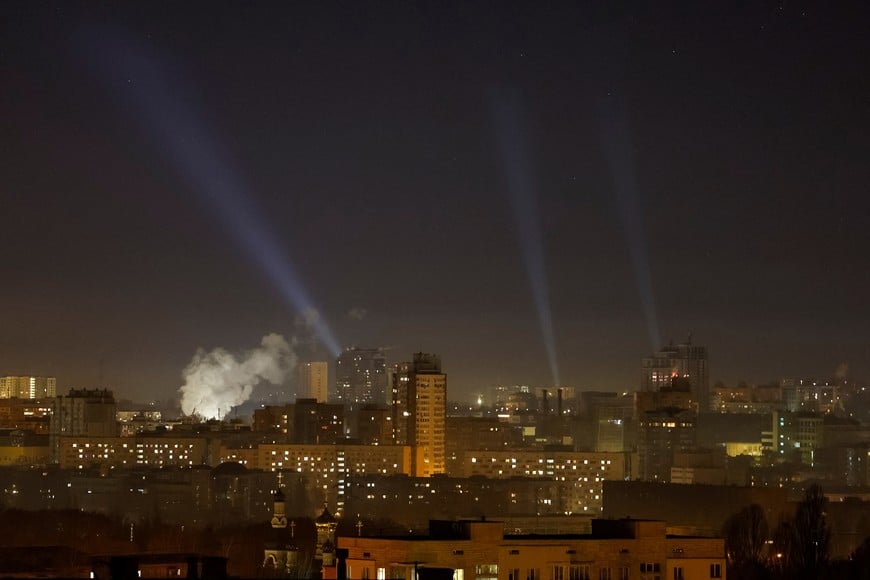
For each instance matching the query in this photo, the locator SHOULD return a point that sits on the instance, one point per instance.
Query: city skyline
(299, 380)
(538, 195)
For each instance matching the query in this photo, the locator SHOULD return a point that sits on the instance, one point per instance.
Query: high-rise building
(811, 395)
(27, 387)
(83, 412)
(312, 381)
(797, 436)
(679, 366)
(361, 376)
(661, 434)
(611, 416)
(419, 405)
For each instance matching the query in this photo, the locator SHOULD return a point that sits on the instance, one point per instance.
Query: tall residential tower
(27, 387)
(361, 376)
(419, 407)
(682, 366)
(312, 381)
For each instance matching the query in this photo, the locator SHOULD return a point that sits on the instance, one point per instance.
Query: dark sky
(363, 136)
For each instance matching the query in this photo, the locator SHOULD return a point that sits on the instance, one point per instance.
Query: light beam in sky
(141, 78)
(507, 113)
(617, 145)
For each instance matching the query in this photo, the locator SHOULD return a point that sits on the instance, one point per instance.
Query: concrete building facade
(479, 550)
(82, 413)
(326, 469)
(677, 365)
(83, 452)
(27, 387)
(582, 472)
(312, 381)
(661, 434)
(361, 376)
(419, 405)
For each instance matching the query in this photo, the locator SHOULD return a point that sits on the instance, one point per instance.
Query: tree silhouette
(804, 541)
(857, 567)
(745, 535)
(812, 534)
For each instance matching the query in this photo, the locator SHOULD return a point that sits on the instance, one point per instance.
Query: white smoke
(217, 381)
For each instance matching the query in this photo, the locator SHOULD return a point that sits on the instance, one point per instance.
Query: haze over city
(535, 193)
(364, 290)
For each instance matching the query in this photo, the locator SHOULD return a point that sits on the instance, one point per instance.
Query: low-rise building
(479, 550)
(23, 448)
(148, 451)
(26, 414)
(411, 502)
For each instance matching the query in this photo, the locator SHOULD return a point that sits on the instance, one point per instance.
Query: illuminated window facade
(582, 473)
(419, 408)
(89, 452)
(616, 549)
(329, 466)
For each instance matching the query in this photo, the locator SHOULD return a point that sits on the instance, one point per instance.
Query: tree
(859, 562)
(812, 534)
(780, 556)
(804, 541)
(745, 537)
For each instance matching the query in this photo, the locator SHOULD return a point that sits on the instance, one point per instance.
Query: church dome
(325, 517)
(229, 469)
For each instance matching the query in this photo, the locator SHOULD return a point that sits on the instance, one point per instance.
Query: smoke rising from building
(216, 381)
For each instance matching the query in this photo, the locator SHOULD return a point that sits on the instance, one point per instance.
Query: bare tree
(812, 534)
(803, 543)
(745, 534)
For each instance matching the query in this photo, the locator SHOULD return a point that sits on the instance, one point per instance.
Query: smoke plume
(357, 313)
(217, 381)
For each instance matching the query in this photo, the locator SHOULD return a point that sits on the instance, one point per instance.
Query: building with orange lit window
(479, 550)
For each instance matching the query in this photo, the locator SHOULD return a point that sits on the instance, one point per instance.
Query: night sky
(708, 160)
